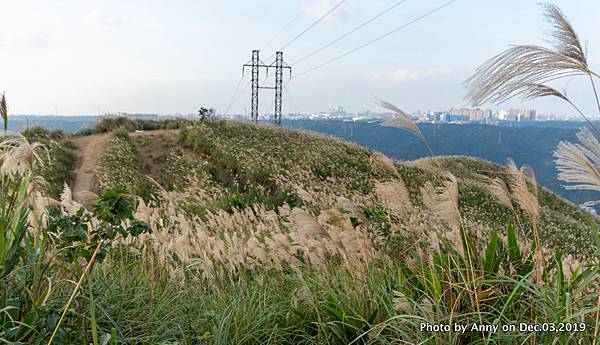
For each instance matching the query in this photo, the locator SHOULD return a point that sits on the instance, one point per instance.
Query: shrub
(121, 133)
(36, 133)
(108, 124)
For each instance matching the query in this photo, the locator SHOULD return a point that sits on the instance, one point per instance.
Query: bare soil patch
(89, 150)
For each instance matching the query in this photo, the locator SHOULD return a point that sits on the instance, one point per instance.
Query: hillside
(527, 143)
(218, 167)
(233, 233)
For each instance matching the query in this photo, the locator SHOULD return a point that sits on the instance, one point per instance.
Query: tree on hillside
(206, 113)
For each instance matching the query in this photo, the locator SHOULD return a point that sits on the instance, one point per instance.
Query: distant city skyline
(149, 56)
(476, 114)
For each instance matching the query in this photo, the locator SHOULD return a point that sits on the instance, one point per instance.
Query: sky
(76, 57)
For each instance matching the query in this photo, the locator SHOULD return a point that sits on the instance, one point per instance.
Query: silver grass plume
(380, 161)
(402, 120)
(520, 179)
(4, 111)
(523, 69)
(578, 164)
(526, 198)
(529, 173)
(17, 154)
(444, 204)
(500, 191)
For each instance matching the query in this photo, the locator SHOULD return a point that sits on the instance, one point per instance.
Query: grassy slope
(140, 295)
(530, 144)
(57, 159)
(226, 165)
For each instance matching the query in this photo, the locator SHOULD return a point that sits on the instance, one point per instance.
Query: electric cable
(377, 39)
(350, 32)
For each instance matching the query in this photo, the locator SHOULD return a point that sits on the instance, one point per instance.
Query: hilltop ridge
(222, 166)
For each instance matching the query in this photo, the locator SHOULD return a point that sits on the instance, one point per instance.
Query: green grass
(109, 124)
(382, 302)
(276, 158)
(57, 160)
(223, 165)
(120, 167)
(137, 294)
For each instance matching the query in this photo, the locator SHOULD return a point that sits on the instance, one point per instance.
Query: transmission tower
(279, 66)
(279, 85)
(254, 65)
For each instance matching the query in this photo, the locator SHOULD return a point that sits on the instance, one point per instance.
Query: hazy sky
(86, 57)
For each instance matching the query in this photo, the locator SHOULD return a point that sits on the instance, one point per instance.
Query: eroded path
(89, 150)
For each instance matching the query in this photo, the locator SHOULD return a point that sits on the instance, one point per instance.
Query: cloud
(36, 41)
(318, 8)
(104, 18)
(26, 41)
(403, 75)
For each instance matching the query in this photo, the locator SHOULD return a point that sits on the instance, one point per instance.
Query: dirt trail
(165, 139)
(89, 151)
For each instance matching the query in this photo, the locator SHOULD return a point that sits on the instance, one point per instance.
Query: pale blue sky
(86, 57)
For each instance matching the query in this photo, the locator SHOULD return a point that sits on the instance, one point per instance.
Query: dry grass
(523, 70)
(4, 111)
(394, 196)
(402, 120)
(578, 164)
(443, 203)
(17, 154)
(382, 162)
(499, 189)
(525, 192)
(250, 238)
(334, 182)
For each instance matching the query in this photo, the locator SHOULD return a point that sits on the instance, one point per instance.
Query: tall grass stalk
(448, 204)
(4, 112)
(87, 270)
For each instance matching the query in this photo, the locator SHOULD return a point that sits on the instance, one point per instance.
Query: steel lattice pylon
(278, 86)
(254, 85)
(255, 65)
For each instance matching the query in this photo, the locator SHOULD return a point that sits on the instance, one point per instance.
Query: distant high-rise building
(522, 114)
(476, 114)
(502, 115)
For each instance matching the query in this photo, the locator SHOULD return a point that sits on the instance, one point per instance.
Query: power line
(238, 97)
(350, 32)
(376, 39)
(290, 96)
(286, 26)
(237, 88)
(313, 24)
